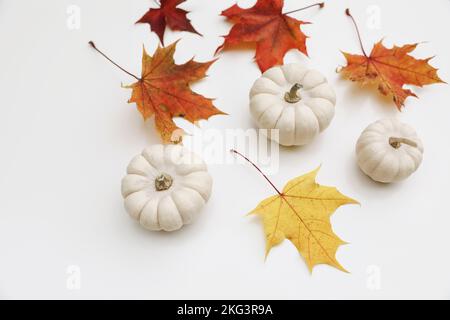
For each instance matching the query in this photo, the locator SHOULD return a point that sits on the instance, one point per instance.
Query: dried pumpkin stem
(257, 168)
(163, 182)
(320, 5)
(292, 96)
(92, 44)
(347, 12)
(396, 142)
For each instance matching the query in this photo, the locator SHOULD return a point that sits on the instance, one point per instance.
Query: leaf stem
(92, 44)
(347, 12)
(257, 168)
(319, 4)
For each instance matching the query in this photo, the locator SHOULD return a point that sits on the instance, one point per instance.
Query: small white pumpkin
(296, 101)
(165, 187)
(389, 151)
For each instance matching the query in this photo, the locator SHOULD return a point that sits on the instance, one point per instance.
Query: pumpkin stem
(92, 44)
(163, 182)
(397, 142)
(292, 96)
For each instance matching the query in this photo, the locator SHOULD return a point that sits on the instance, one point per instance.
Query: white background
(67, 134)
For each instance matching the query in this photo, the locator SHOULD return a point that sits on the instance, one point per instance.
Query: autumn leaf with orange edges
(168, 14)
(389, 69)
(264, 24)
(163, 91)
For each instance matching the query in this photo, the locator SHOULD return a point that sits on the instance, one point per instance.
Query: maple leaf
(301, 213)
(389, 69)
(163, 91)
(273, 32)
(167, 14)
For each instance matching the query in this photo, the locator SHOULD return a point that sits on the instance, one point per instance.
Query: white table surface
(67, 134)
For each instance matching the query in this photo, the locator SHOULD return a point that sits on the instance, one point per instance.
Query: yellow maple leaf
(301, 213)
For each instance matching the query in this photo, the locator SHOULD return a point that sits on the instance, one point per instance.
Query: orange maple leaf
(273, 32)
(163, 90)
(389, 69)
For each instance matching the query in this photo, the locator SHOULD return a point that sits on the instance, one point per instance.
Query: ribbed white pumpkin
(389, 151)
(166, 187)
(296, 101)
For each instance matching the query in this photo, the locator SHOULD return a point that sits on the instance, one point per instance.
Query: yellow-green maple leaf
(301, 213)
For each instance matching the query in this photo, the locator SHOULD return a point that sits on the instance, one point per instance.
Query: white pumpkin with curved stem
(166, 187)
(296, 101)
(389, 151)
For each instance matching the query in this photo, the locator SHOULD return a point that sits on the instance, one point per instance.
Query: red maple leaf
(264, 24)
(389, 69)
(167, 14)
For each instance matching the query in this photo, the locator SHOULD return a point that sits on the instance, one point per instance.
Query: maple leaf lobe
(168, 14)
(163, 92)
(390, 69)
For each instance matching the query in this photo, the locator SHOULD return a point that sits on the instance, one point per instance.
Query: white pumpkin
(166, 187)
(296, 101)
(389, 151)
